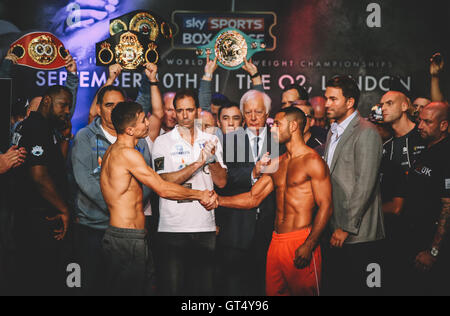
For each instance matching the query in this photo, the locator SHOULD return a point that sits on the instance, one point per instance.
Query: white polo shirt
(172, 153)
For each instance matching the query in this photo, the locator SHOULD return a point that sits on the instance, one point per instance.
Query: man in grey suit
(353, 153)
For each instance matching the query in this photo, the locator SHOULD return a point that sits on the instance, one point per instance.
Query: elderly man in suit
(353, 153)
(245, 236)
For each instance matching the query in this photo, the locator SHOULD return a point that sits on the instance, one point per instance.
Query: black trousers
(128, 262)
(88, 254)
(406, 279)
(41, 260)
(186, 264)
(345, 269)
(239, 272)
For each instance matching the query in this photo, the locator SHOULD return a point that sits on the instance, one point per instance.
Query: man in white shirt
(187, 231)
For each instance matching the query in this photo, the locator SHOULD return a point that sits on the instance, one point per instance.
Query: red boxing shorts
(282, 277)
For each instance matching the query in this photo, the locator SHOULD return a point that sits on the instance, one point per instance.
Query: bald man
(170, 118)
(406, 144)
(426, 220)
(320, 112)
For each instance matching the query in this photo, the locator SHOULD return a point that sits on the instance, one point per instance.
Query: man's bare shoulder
(314, 165)
(124, 153)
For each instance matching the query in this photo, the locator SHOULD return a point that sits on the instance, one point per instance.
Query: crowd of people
(206, 196)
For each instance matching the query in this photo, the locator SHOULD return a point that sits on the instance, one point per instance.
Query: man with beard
(42, 194)
(424, 248)
(301, 180)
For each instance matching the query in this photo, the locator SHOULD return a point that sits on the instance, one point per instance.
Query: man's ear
(350, 103)
(98, 109)
(444, 126)
(293, 126)
(129, 131)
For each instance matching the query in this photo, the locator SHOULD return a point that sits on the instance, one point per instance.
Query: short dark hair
(304, 95)
(185, 93)
(19, 108)
(295, 114)
(101, 93)
(54, 90)
(347, 85)
(228, 106)
(125, 115)
(219, 99)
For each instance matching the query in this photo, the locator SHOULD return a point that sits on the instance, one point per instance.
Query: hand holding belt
(231, 46)
(130, 50)
(40, 50)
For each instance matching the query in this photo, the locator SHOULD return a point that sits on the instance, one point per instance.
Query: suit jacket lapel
(343, 139)
(327, 146)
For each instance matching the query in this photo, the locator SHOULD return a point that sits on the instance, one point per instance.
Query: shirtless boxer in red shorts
(302, 183)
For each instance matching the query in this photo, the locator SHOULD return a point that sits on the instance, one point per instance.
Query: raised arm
(247, 201)
(72, 81)
(436, 68)
(114, 72)
(157, 115)
(205, 90)
(254, 74)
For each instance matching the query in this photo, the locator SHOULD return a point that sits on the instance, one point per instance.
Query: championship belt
(130, 49)
(232, 47)
(144, 22)
(40, 50)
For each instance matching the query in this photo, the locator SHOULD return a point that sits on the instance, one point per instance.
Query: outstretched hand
(210, 200)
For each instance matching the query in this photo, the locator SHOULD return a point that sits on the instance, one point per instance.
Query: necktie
(256, 148)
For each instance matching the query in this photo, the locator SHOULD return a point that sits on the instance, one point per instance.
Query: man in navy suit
(245, 236)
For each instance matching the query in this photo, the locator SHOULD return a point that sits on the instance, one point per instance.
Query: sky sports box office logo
(199, 28)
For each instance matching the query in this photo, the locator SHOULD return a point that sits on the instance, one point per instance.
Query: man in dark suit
(353, 153)
(245, 236)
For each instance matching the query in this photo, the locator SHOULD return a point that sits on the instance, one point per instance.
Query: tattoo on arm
(444, 222)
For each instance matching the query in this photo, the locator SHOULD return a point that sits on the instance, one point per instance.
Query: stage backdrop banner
(308, 42)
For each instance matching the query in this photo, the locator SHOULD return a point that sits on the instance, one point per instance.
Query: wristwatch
(434, 252)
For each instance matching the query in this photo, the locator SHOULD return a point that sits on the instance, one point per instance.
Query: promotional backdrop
(308, 42)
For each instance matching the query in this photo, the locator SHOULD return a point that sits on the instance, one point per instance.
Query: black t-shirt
(428, 183)
(318, 137)
(43, 147)
(393, 181)
(405, 150)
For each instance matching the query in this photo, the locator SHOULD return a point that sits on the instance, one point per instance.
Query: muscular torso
(121, 191)
(295, 198)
